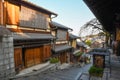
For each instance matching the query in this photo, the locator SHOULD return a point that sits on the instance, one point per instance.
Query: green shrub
(54, 60)
(94, 71)
(78, 53)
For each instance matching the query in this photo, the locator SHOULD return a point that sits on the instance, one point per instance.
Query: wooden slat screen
(63, 57)
(32, 18)
(29, 57)
(61, 35)
(33, 56)
(47, 52)
(38, 55)
(18, 59)
(12, 14)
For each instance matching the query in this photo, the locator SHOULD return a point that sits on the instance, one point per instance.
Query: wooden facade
(33, 56)
(118, 34)
(36, 19)
(18, 59)
(63, 57)
(61, 49)
(73, 43)
(61, 35)
(73, 40)
(1, 12)
(12, 12)
(29, 24)
(47, 52)
(30, 56)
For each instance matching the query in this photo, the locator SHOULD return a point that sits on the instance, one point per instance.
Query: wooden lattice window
(33, 19)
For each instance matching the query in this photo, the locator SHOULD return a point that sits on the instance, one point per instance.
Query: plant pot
(96, 72)
(95, 78)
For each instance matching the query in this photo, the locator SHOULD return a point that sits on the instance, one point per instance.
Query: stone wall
(7, 68)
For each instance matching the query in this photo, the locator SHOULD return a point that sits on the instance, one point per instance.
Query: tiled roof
(61, 48)
(71, 36)
(25, 2)
(58, 25)
(80, 44)
(100, 51)
(24, 36)
(4, 31)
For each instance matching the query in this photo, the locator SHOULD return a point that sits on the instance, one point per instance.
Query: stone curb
(34, 72)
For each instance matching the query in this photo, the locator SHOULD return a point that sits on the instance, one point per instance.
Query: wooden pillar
(1, 12)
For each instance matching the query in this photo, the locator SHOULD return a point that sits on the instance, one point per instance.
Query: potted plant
(78, 53)
(55, 61)
(96, 72)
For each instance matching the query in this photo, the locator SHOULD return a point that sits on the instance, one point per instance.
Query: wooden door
(38, 55)
(33, 56)
(63, 58)
(29, 57)
(18, 59)
(47, 52)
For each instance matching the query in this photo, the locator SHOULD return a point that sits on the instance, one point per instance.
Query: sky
(71, 13)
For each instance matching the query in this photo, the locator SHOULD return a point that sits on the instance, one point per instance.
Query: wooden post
(1, 12)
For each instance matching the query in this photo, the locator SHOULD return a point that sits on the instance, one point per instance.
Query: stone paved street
(74, 73)
(115, 68)
(71, 73)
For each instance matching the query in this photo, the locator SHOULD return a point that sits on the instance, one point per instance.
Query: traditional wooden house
(29, 25)
(61, 49)
(73, 40)
(73, 43)
(81, 46)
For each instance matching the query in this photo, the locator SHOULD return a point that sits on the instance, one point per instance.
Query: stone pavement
(33, 68)
(69, 73)
(115, 68)
(75, 72)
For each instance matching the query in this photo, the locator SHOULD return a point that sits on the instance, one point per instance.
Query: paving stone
(60, 74)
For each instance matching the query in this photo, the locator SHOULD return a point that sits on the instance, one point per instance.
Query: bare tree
(93, 27)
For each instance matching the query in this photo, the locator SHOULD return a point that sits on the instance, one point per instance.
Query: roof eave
(24, 2)
(102, 14)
